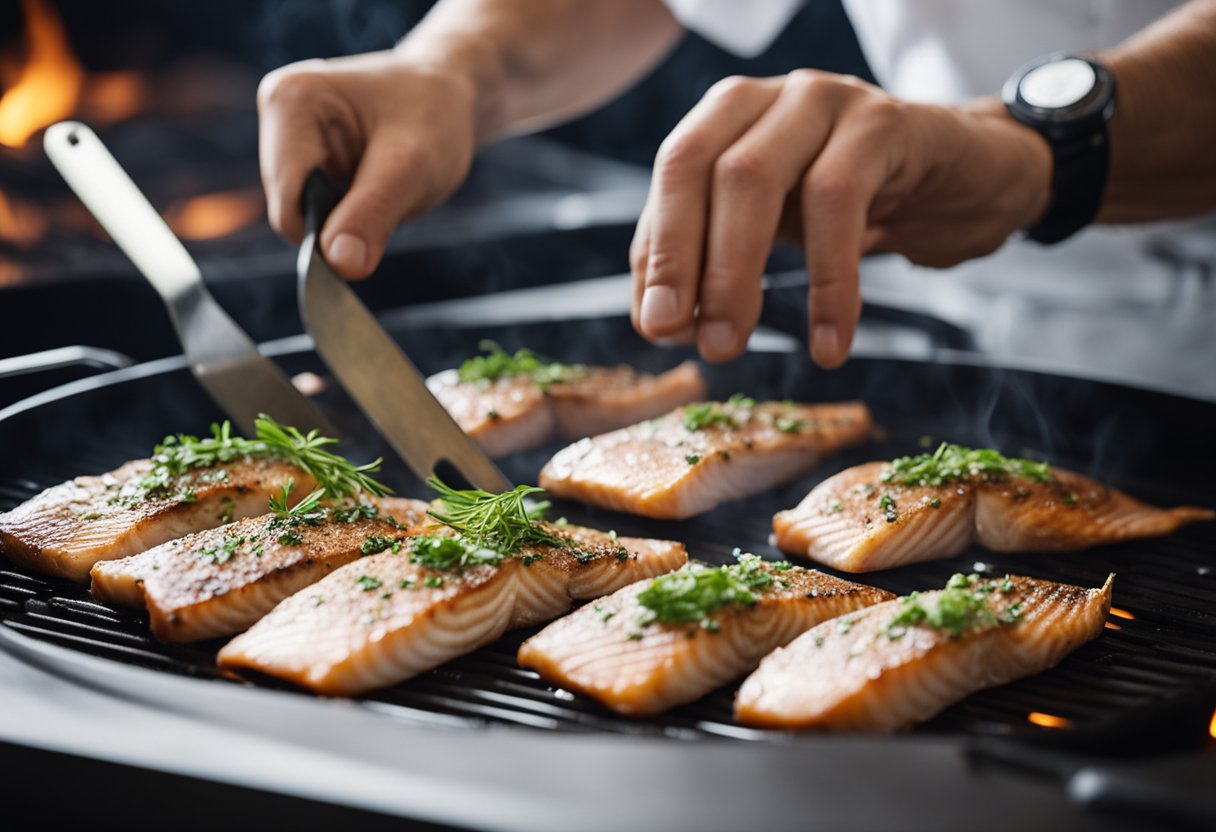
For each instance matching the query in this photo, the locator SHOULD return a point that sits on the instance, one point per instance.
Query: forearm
(1164, 128)
(532, 63)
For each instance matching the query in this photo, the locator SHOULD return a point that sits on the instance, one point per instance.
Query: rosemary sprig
(310, 504)
(501, 522)
(336, 475)
(498, 363)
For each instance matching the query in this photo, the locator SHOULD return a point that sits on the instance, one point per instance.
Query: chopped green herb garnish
(433, 582)
(732, 413)
(359, 511)
(695, 592)
(375, 544)
(1070, 499)
(634, 636)
(406, 583)
(222, 552)
(498, 363)
(291, 537)
(790, 425)
(692, 459)
(227, 506)
(844, 625)
(888, 508)
(961, 607)
(90, 515)
(448, 553)
(318, 600)
(936, 502)
(955, 462)
(367, 583)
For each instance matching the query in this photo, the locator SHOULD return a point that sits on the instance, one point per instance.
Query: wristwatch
(1068, 99)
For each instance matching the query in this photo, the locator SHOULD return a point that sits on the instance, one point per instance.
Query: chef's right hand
(402, 134)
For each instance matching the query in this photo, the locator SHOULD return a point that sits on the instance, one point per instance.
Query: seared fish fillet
(702, 455)
(219, 582)
(513, 414)
(857, 523)
(384, 619)
(861, 673)
(601, 650)
(69, 527)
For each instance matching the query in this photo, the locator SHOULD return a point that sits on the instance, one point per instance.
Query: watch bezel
(1082, 116)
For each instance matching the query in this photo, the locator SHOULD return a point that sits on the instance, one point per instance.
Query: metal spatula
(375, 371)
(222, 357)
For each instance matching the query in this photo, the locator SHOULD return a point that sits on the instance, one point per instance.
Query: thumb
(390, 186)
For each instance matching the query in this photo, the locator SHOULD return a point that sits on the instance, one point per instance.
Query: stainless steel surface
(222, 357)
(56, 359)
(377, 374)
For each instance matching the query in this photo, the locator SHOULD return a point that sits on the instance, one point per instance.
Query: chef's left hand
(839, 166)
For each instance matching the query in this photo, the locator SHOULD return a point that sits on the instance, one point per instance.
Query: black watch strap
(1074, 125)
(1078, 182)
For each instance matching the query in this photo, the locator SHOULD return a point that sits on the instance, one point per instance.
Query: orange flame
(19, 224)
(1048, 720)
(49, 84)
(1212, 726)
(215, 215)
(1118, 613)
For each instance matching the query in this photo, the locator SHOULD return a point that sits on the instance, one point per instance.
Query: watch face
(1058, 84)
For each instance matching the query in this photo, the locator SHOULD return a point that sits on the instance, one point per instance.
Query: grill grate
(1166, 649)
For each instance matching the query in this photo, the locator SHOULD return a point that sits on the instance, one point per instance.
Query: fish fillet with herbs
(510, 402)
(486, 566)
(188, 485)
(934, 505)
(667, 641)
(701, 455)
(219, 582)
(895, 664)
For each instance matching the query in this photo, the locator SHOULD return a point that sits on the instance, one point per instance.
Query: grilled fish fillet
(662, 468)
(843, 522)
(852, 674)
(219, 582)
(384, 619)
(513, 414)
(69, 527)
(601, 650)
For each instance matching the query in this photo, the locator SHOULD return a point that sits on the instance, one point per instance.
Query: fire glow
(1118, 613)
(215, 215)
(1048, 720)
(49, 84)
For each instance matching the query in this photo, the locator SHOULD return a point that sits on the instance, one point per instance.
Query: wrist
(1025, 159)
(469, 61)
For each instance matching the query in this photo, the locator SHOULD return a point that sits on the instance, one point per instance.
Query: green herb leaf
(498, 363)
(962, 606)
(367, 583)
(448, 553)
(695, 592)
(734, 412)
(955, 462)
(375, 544)
(499, 522)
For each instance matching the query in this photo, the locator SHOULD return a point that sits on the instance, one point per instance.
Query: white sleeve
(745, 27)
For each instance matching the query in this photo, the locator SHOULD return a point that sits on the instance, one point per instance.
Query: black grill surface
(1147, 682)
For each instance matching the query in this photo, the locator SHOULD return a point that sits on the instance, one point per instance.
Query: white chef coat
(1110, 299)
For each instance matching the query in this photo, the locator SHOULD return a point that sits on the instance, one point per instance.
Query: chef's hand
(833, 163)
(403, 135)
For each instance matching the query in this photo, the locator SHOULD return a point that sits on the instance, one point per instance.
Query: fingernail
(825, 343)
(717, 338)
(348, 254)
(660, 307)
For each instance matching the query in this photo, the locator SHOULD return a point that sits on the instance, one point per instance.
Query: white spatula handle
(121, 208)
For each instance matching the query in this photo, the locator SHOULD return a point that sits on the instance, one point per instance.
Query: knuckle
(665, 268)
(742, 169)
(287, 85)
(731, 89)
(807, 81)
(680, 151)
(827, 190)
(883, 114)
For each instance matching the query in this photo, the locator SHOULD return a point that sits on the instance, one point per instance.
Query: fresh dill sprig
(498, 363)
(502, 522)
(448, 553)
(335, 474)
(310, 504)
(956, 462)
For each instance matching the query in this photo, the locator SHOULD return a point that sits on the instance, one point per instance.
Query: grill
(1147, 686)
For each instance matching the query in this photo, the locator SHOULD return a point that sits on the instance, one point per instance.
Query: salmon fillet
(702, 455)
(515, 413)
(866, 672)
(603, 651)
(385, 618)
(855, 522)
(219, 582)
(69, 527)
